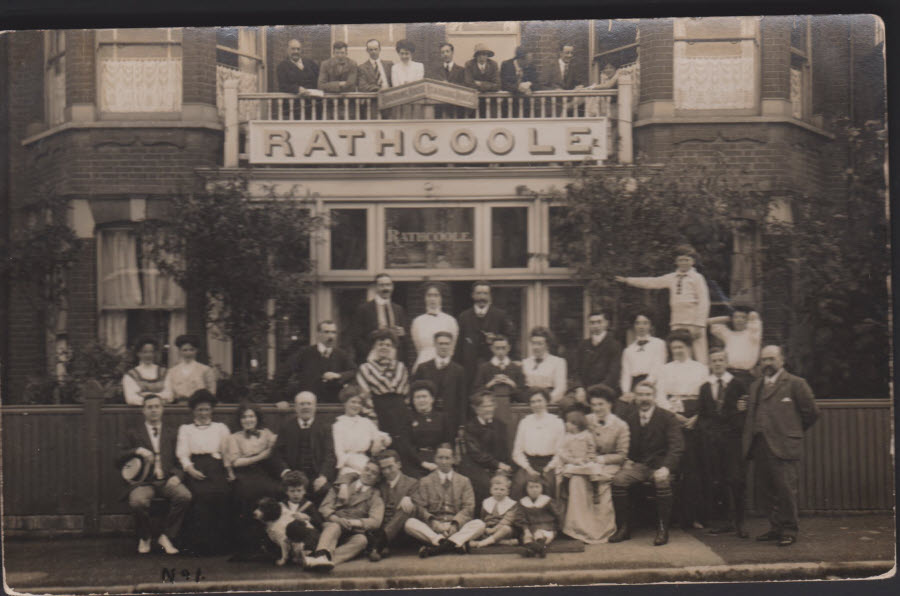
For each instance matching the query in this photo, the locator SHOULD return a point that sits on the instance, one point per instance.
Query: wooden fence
(58, 472)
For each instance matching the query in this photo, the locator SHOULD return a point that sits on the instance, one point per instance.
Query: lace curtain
(56, 92)
(713, 82)
(140, 85)
(248, 82)
(796, 93)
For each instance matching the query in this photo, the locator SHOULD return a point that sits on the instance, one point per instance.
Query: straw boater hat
(135, 469)
(481, 48)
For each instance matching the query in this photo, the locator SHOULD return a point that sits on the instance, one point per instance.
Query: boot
(664, 514)
(622, 506)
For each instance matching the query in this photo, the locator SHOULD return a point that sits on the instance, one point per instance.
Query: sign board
(427, 141)
(428, 91)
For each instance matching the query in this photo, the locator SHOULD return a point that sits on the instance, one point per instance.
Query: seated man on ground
(445, 503)
(397, 490)
(498, 512)
(352, 507)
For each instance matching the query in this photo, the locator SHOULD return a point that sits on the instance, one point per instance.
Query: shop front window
(345, 301)
(509, 237)
(431, 238)
(567, 317)
(349, 237)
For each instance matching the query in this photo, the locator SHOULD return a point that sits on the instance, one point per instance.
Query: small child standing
(577, 455)
(538, 518)
(303, 532)
(498, 512)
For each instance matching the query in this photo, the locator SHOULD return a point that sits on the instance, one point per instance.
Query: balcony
(424, 101)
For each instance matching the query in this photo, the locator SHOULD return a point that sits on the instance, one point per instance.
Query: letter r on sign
(279, 138)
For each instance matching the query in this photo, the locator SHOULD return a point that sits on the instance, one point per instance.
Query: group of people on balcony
(416, 453)
(517, 75)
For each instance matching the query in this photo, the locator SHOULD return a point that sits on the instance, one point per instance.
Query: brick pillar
(199, 74)
(657, 46)
(776, 65)
(81, 75)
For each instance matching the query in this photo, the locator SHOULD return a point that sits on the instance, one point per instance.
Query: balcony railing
(614, 104)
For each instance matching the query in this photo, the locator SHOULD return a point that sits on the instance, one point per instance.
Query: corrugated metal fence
(58, 460)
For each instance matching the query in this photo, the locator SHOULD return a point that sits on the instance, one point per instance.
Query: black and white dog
(291, 531)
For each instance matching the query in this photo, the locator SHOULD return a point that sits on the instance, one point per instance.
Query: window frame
(54, 59)
(358, 53)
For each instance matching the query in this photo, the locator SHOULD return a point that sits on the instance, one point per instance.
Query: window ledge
(122, 124)
(734, 120)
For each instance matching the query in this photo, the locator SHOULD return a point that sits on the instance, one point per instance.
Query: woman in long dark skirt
(386, 381)
(200, 450)
(248, 465)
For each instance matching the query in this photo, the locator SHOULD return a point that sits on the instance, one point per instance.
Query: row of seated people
(575, 461)
(340, 74)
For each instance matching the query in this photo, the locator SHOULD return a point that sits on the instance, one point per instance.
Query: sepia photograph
(446, 304)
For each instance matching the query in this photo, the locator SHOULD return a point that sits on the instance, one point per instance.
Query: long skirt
(207, 529)
(585, 520)
(252, 483)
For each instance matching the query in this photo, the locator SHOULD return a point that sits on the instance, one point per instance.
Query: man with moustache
(477, 327)
(296, 75)
(780, 409)
(374, 73)
(380, 313)
(654, 451)
(321, 368)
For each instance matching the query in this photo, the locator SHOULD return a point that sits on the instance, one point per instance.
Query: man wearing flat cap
(154, 443)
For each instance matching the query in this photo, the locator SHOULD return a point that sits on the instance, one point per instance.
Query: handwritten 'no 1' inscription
(431, 141)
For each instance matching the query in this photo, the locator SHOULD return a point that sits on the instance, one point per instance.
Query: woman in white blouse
(537, 440)
(542, 369)
(200, 450)
(148, 377)
(426, 325)
(248, 465)
(189, 375)
(354, 433)
(678, 390)
(406, 71)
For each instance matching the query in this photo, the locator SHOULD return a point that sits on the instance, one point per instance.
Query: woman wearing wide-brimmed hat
(200, 449)
(482, 73)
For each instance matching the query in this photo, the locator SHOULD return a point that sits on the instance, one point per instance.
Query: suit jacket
(554, 78)
(428, 498)
(486, 444)
(457, 74)
(712, 419)
(508, 76)
(471, 346)
(303, 372)
(487, 81)
(660, 443)
(138, 436)
(487, 371)
(331, 73)
(782, 412)
(591, 364)
(391, 497)
(366, 76)
(286, 454)
(451, 388)
(365, 321)
(362, 505)
(290, 77)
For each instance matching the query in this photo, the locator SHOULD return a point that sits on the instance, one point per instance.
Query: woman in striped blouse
(386, 381)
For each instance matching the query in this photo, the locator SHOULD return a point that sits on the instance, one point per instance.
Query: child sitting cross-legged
(538, 518)
(498, 512)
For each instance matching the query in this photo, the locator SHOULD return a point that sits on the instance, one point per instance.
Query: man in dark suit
(481, 73)
(374, 73)
(596, 361)
(477, 326)
(338, 73)
(720, 423)
(305, 443)
(322, 367)
(449, 378)
(518, 76)
(396, 492)
(562, 74)
(380, 313)
(654, 451)
(449, 71)
(780, 409)
(296, 75)
(154, 442)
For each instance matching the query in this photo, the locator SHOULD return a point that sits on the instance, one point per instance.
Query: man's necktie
(447, 68)
(155, 431)
(157, 466)
(644, 421)
(720, 392)
(377, 75)
(566, 73)
(388, 315)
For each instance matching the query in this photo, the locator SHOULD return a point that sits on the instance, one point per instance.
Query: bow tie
(251, 433)
(643, 342)
(198, 425)
(602, 422)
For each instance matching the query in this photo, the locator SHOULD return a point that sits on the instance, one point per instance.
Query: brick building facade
(773, 130)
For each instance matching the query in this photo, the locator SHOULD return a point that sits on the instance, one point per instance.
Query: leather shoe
(662, 536)
(786, 540)
(427, 551)
(374, 556)
(768, 536)
(622, 534)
